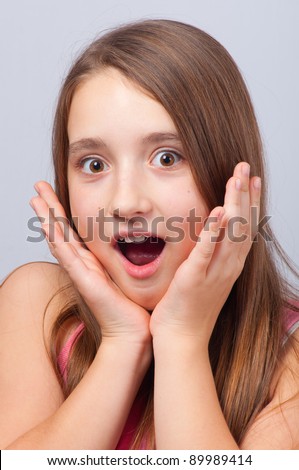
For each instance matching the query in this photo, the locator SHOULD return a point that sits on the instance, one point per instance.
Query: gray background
(39, 39)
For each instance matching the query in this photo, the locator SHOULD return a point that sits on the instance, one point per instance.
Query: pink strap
(63, 356)
(291, 323)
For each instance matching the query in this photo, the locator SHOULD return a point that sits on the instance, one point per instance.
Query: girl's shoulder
(276, 427)
(46, 271)
(34, 272)
(33, 294)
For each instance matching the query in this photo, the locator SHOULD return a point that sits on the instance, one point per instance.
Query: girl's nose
(130, 198)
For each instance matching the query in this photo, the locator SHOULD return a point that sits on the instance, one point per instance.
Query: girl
(166, 323)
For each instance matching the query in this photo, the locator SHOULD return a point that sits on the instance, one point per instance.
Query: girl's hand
(204, 280)
(118, 317)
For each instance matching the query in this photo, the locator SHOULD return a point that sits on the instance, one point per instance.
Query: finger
(235, 224)
(72, 262)
(67, 254)
(203, 251)
(245, 226)
(235, 240)
(46, 218)
(54, 233)
(242, 172)
(240, 231)
(237, 205)
(239, 181)
(255, 199)
(45, 190)
(56, 211)
(235, 219)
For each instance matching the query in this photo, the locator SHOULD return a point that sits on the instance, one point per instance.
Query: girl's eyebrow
(93, 143)
(89, 143)
(158, 137)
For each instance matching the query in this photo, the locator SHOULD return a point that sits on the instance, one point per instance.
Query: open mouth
(141, 250)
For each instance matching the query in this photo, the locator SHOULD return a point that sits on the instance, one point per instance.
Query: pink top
(292, 323)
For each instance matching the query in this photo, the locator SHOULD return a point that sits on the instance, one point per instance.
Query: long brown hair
(200, 86)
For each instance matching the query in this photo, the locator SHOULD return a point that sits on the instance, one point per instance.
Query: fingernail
(257, 183)
(36, 188)
(31, 204)
(246, 169)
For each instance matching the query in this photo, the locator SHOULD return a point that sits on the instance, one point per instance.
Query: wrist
(127, 350)
(128, 341)
(137, 339)
(183, 346)
(180, 332)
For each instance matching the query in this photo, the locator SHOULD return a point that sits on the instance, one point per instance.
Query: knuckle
(206, 252)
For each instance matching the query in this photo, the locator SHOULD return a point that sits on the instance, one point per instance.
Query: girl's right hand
(119, 318)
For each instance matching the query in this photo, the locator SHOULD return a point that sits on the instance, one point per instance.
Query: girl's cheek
(83, 221)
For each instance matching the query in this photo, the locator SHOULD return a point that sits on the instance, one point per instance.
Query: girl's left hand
(204, 280)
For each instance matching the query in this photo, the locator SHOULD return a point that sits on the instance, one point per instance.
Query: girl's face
(127, 174)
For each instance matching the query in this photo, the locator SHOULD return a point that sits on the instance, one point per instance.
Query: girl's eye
(166, 159)
(93, 165)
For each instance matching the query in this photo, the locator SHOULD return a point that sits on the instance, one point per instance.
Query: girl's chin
(146, 300)
(147, 304)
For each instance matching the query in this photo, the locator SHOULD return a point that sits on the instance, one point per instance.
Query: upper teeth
(133, 239)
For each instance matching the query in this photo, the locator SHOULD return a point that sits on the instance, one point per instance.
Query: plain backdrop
(39, 40)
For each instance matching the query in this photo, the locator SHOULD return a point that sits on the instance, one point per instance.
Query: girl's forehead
(109, 78)
(108, 98)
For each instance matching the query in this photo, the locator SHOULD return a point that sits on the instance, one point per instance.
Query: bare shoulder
(48, 274)
(277, 425)
(29, 290)
(29, 389)
(27, 276)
